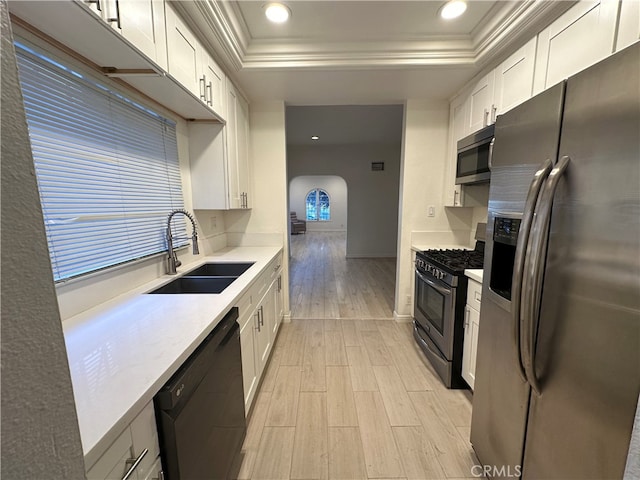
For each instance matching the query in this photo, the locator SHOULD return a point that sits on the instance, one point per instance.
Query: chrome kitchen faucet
(172, 258)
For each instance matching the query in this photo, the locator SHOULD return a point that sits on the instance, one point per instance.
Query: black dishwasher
(200, 411)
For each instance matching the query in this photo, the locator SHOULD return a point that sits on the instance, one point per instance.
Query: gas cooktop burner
(455, 261)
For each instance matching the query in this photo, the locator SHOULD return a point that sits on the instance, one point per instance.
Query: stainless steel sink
(219, 270)
(196, 285)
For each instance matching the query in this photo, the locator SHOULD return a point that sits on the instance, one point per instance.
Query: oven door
(435, 311)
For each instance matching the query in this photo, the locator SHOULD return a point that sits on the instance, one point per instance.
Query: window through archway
(318, 206)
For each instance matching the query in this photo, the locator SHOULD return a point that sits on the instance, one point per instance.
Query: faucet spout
(172, 257)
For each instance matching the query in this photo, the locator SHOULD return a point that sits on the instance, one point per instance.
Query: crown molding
(504, 25)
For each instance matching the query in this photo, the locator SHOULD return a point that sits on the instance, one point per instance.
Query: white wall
(423, 169)
(372, 212)
(335, 187)
(40, 433)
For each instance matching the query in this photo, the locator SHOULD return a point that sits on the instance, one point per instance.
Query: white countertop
(474, 274)
(123, 351)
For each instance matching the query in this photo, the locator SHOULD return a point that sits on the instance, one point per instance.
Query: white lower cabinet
(136, 451)
(260, 314)
(471, 326)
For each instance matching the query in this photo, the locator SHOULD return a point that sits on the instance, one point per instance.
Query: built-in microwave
(473, 160)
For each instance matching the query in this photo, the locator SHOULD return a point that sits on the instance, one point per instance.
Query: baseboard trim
(402, 318)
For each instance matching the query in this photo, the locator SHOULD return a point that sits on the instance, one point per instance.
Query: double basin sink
(207, 278)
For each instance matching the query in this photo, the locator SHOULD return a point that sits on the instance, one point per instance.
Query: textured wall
(40, 436)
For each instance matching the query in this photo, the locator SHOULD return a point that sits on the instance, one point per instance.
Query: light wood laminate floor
(325, 284)
(353, 397)
(370, 409)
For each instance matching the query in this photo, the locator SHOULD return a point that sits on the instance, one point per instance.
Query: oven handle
(532, 280)
(431, 283)
(520, 258)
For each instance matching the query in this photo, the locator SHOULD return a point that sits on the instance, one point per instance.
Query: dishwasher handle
(181, 385)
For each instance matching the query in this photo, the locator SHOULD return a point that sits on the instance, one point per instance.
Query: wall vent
(377, 166)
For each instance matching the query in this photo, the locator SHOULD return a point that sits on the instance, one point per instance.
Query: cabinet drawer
(144, 435)
(275, 267)
(474, 294)
(245, 307)
(112, 464)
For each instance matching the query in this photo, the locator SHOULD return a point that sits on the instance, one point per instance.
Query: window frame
(317, 191)
(169, 161)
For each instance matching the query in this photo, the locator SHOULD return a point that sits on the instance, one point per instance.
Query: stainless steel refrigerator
(558, 363)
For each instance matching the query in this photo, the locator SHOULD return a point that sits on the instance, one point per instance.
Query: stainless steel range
(440, 295)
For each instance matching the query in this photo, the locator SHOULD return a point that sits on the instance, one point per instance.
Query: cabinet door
(215, 80)
(457, 130)
(144, 435)
(249, 371)
(581, 37)
(155, 472)
(514, 79)
(244, 174)
(237, 148)
(113, 463)
(142, 23)
(208, 166)
(481, 104)
(184, 55)
(628, 24)
(264, 314)
(470, 348)
(279, 296)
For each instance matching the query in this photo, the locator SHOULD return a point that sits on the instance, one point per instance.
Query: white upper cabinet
(514, 79)
(219, 156)
(214, 84)
(192, 66)
(184, 54)
(584, 35)
(628, 24)
(237, 130)
(506, 86)
(142, 23)
(481, 105)
(457, 130)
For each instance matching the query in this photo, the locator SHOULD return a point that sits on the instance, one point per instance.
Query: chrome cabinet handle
(520, 257)
(261, 315)
(485, 118)
(494, 113)
(203, 88)
(257, 315)
(466, 317)
(117, 17)
(210, 100)
(532, 280)
(134, 462)
(97, 2)
(455, 196)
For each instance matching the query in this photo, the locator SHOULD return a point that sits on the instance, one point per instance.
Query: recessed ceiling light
(315, 137)
(277, 12)
(453, 9)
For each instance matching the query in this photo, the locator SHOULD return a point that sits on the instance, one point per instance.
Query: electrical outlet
(408, 300)
(431, 212)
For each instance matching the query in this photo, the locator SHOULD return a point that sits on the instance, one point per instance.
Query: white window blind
(107, 168)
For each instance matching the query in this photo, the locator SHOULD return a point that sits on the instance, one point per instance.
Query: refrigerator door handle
(520, 257)
(532, 279)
